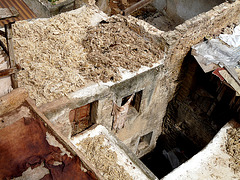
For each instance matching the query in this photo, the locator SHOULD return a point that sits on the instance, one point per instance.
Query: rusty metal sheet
(24, 11)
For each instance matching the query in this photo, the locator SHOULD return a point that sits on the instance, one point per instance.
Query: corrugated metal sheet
(24, 11)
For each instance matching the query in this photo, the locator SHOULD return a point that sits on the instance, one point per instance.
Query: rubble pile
(61, 54)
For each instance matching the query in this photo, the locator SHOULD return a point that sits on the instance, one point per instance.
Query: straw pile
(104, 159)
(60, 54)
(51, 53)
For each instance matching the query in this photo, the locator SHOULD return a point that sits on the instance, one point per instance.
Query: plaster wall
(152, 82)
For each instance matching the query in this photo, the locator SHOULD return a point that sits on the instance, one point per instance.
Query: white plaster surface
(123, 159)
(210, 164)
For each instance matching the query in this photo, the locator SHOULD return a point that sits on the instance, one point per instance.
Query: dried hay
(233, 148)
(104, 159)
(51, 52)
(115, 43)
(61, 53)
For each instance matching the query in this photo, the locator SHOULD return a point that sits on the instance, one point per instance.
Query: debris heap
(61, 54)
(115, 43)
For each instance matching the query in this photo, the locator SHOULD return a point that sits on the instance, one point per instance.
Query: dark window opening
(136, 102)
(83, 117)
(145, 141)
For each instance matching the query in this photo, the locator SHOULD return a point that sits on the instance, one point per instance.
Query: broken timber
(10, 71)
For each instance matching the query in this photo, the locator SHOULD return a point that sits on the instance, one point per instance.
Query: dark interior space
(202, 104)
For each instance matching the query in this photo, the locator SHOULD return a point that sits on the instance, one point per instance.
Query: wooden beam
(135, 7)
(8, 13)
(12, 61)
(12, 100)
(233, 73)
(7, 72)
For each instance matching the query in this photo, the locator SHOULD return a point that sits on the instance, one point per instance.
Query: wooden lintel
(8, 13)
(12, 61)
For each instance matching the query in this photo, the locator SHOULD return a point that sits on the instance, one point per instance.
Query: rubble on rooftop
(80, 64)
(64, 53)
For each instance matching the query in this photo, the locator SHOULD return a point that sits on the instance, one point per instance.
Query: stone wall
(193, 31)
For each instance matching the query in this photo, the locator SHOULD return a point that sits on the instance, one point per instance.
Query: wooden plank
(8, 13)
(7, 72)
(12, 100)
(65, 141)
(12, 62)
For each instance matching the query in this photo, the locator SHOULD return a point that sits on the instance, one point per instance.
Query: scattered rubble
(103, 158)
(233, 148)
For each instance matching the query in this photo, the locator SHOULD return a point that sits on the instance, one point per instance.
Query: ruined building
(119, 89)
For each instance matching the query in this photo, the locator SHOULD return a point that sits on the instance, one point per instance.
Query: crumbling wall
(192, 31)
(157, 84)
(152, 83)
